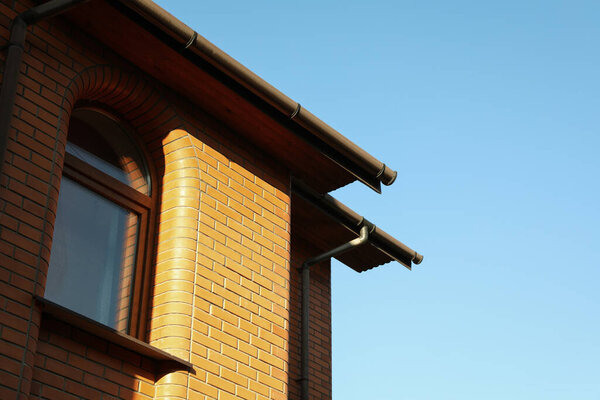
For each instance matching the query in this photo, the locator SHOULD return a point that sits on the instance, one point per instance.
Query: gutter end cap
(418, 258)
(392, 179)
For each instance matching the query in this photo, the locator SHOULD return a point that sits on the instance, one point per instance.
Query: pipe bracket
(296, 111)
(191, 41)
(381, 171)
(370, 226)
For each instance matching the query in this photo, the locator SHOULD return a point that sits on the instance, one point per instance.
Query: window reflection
(103, 143)
(100, 233)
(93, 256)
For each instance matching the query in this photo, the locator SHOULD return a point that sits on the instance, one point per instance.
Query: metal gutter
(354, 222)
(367, 234)
(14, 56)
(190, 40)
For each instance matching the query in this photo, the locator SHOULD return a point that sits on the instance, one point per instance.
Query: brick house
(165, 226)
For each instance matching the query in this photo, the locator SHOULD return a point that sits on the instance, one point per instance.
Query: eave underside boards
(252, 120)
(316, 227)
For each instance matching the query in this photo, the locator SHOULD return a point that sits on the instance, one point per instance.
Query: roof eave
(347, 154)
(386, 244)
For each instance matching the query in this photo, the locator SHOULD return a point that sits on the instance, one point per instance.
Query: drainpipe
(304, 349)
(14, 56)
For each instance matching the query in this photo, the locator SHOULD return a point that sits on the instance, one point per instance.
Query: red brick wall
(72, 364)
(220, 279)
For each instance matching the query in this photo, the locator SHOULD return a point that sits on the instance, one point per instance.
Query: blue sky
(490, 113)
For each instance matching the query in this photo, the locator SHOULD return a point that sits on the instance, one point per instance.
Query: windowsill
(166, 360)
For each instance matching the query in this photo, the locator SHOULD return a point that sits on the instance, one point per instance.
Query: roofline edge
(353, 221)
(191, 41)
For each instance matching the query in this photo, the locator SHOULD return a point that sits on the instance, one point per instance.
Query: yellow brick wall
(221, 294)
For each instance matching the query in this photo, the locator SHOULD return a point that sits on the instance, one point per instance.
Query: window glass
(102, 142)
(99, 253)
(93, 256)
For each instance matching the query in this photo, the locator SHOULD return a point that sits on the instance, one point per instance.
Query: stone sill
(164, 360)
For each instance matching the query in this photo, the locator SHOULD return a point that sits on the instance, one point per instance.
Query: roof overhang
(327, 223)
(174, 54)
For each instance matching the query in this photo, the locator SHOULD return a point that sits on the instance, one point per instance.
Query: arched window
(100, 241)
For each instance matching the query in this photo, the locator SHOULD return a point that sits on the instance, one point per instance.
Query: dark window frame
(145, 206)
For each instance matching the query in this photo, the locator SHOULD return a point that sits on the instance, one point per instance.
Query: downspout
(304, 348)
(14, 57)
